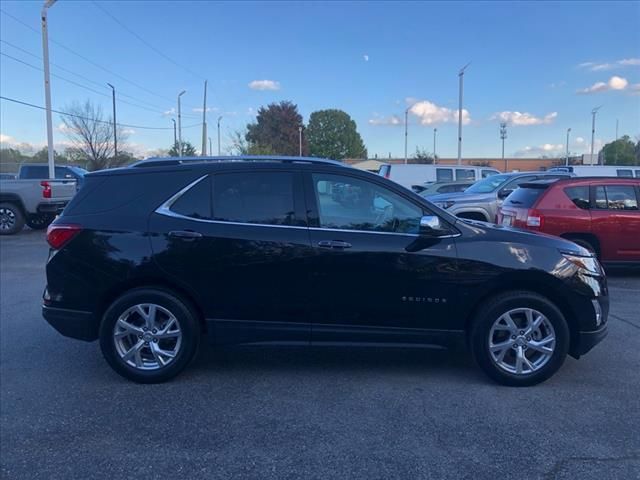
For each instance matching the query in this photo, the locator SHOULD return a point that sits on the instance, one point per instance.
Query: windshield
(488, 185)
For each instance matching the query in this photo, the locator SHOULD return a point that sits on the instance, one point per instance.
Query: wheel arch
(589, 237)
(474, 214)
(14, 199)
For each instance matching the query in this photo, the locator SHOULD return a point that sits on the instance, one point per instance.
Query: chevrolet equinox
(150, 258)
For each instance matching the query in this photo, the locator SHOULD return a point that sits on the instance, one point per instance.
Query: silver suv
(482, 199)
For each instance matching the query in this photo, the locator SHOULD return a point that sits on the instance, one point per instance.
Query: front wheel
(149, 335)
(519, 338)
(11, 219)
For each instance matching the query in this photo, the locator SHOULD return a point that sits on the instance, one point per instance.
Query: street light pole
(593, 129)
(566, 161)
(211, 148)
(115, 135)
(461, 77)
(406, 132)
(180, 124)
(219, 118)
(47, 86)
(204, 122)
(503, 136)
(435, 157)
(300, 141)
(175, 138)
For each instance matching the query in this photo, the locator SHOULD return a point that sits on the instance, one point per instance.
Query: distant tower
(503, 136)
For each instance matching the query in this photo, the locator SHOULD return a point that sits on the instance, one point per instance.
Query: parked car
(600, 170)
(149, 258)
(34, 202)
(481, 200)
(434, 188)
(40, 171)
(411, 174)
(600, 214)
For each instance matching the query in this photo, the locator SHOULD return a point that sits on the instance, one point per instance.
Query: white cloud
(614, 83)
(600, 67)
(431, 114)
(264, 85)
(559, 84)
(579, 140)
(635, 89)
(127, 131)
(380, 120)
(365, 57)
(578, 146)
(170, 112)
(6, 139)
(209, 109)
(518, 119)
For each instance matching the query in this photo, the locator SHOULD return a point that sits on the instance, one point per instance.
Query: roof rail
(166, 161)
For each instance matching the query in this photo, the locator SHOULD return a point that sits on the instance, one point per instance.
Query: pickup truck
(34, 202)
(40, 171)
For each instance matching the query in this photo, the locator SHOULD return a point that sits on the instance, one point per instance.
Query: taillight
(46, 189)
(59, 235)
(534, 219)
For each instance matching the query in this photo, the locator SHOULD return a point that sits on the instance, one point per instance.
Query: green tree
(333, 134)
(188, 150)
(620, 152)
(422, 156)
(42, 156)
(276, 131)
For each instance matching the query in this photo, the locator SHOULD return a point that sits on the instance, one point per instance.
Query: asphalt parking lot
(306, 413)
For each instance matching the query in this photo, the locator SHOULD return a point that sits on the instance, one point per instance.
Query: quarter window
(625, 173)
(256, 197)
(195, 202)
(348, 203)
(616, 197)
(465, 174)
(579, 196)
(444, 174)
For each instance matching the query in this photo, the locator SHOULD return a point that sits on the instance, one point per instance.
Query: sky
(539, 66)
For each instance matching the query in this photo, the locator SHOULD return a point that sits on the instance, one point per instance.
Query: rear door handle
(336, 244)
(185, 234)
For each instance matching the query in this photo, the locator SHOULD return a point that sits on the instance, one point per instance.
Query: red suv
(601, 214)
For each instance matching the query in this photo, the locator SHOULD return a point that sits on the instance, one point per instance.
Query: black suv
(150, 258)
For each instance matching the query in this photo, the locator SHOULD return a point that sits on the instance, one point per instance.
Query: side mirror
(504, 193)
(431, 226)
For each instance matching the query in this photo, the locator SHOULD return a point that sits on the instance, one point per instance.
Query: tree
(333, 134)
(422, 156)
(620, 152)
(92, 134)
(276, 130)
(42, 155)
(188, 150)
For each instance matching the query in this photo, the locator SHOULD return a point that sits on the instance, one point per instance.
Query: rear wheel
(519, 338)
(11, 219)
(40, 221)
(149, 335)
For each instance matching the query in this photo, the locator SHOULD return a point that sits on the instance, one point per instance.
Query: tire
(490, 327)
(11, 219)
(117, 342)
(40, 221)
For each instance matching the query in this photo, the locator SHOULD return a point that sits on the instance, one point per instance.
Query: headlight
(588, 264)
(444, 205)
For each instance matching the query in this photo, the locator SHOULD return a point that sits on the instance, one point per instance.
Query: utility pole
(219, 118)
(615, 150)
(461, 86)
(180, 125)
(300, 141)
(435, 157)
(47, 85)
(406, 132)
(211, 148)
(175, 138)
(115, 135)
(204, 122)
(503, 136)
(566, 161)
(593, 129)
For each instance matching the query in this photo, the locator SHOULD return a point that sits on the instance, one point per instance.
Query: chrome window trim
(165, 209)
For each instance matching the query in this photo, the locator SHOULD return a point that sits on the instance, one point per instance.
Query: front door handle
(185, 234)
(335, 244)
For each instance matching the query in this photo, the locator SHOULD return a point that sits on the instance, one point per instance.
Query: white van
(411, 174)
(625, 171)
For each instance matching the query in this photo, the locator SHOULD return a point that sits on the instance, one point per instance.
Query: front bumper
(72, 323)
(588, 340)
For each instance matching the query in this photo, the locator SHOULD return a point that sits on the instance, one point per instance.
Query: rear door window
(579, 196)
(616, 197)
(255, 197)
(444, 174)
(465, 174)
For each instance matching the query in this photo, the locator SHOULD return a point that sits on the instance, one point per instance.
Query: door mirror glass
(430, 225)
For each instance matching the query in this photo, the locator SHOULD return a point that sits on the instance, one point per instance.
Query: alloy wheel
(147, 336)
(7, 219)
(522, 341)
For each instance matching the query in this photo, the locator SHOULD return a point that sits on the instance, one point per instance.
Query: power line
(143, 41)
(26, 25)
(141, 127)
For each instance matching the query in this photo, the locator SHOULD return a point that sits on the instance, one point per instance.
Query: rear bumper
(588, 340)
(72, 323)
(53, 207)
